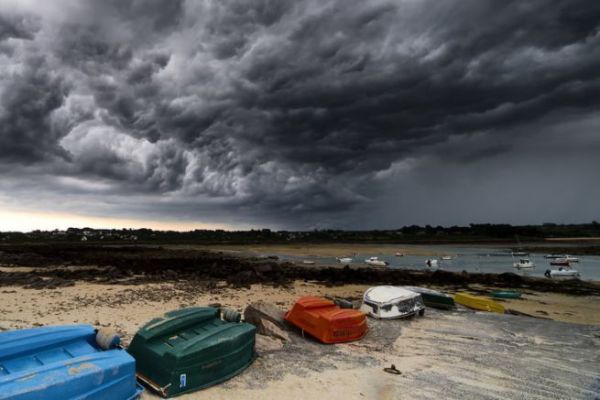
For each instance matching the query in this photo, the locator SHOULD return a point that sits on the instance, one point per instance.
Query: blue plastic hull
(63, 362)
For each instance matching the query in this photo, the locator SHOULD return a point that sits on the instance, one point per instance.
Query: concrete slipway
(447, 355)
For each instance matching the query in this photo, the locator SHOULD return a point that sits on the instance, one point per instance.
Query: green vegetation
(408, 234)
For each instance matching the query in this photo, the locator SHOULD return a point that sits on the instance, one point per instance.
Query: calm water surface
(465, 258)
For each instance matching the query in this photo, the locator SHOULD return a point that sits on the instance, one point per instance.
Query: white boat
(398, 254)
(376, 262)
(308, 262)
(524, 263)
(432, 263)
(571, 259)
(562, 273)
(554, 256)
(392, 302)
(344, 260)
(447, 258)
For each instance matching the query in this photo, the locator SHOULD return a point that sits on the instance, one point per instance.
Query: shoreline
(54, 266)
(123, 288)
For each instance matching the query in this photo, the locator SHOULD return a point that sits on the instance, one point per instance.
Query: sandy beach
(454, 354)
(350, 371)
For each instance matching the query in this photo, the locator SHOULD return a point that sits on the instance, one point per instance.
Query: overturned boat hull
(191, 349)
(478, 303)
(433, 298)
(327, 322)
(506, 294)
(64, 362)
(392, 302)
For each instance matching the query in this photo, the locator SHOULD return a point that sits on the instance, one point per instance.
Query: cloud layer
(298, 113)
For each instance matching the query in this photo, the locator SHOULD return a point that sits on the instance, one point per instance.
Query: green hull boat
(191, 349)
(506, 294)
(433, 298)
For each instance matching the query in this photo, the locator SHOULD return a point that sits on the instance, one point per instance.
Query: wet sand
(320, 250)
(125, 308)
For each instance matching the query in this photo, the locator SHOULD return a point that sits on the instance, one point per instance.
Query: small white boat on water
(564, 257)
(398, 254)
(392, 302)
(376, 262)
(431, 263)
(447, 258)
(562, 273)
(344, 260)
(308, 262)
(524, 263)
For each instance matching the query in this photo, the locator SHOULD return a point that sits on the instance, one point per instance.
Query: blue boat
(64, 362)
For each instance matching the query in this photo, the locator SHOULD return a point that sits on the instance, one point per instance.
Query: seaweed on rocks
(55, 266)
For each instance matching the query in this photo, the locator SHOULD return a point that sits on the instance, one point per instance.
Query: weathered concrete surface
(488, 356)
(447, 355)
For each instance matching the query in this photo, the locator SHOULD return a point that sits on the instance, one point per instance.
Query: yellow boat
(478, 303)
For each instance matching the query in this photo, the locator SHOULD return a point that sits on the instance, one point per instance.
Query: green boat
(506, 294)
(192, 349)
(433, 298)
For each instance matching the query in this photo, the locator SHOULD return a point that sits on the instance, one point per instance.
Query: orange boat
(327, 322)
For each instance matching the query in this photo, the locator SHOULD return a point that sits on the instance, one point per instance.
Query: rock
(265, 344)
(258, 312)
(510, 278)
(263, 268)
(270, 329)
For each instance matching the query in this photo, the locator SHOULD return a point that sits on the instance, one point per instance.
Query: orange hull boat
(327, 322)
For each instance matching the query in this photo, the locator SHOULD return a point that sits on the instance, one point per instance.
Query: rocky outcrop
(268, 319)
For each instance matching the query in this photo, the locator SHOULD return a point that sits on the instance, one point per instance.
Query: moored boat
(447, 258)
(65, 362)
(327, 322)
(308, 262)
(376, 262)
(392, 302)
(562, 262)
(344, 260)
(506, 294)
(571, 259)
(567, 273)
(433, 298)
(478, 303)
(191, 349)
(524, 263)
(431, 263)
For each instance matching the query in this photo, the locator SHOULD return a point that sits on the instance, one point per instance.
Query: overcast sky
(298, 114)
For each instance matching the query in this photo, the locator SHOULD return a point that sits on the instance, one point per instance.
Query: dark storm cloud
(28, 100)
(286, 110)
(15, 28)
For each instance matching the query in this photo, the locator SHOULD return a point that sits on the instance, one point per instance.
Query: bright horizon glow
(30, 220)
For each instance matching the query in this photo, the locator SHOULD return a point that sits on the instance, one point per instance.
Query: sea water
(469, 258)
